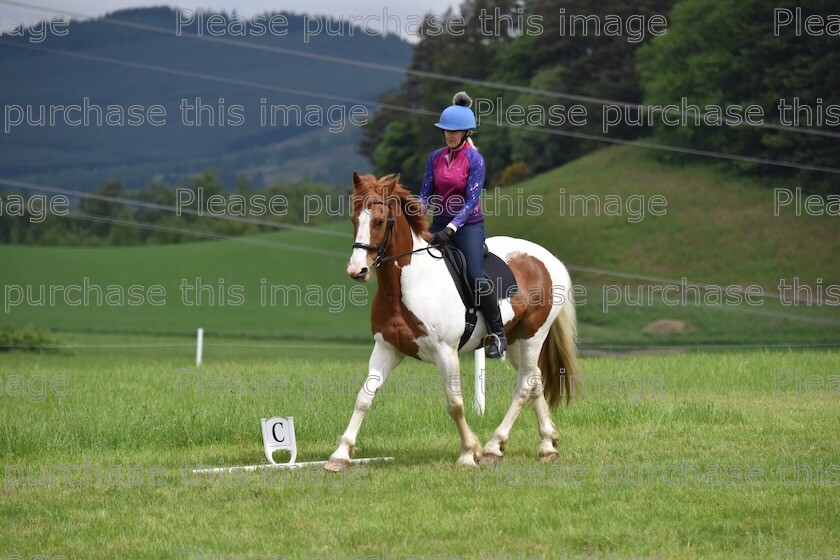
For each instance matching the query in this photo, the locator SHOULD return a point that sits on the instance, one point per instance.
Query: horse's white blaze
(359, 258)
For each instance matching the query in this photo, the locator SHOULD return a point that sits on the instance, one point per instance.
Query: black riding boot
(489, 306)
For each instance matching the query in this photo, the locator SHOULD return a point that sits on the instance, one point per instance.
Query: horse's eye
(378, 224)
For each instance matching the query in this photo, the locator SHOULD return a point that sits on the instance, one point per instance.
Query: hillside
(83, 156)
(727, 213)
(717, 228)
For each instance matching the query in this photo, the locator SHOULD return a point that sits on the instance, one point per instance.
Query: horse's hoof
(490, 459)
(466, 462)
(549, 457)
(337, 465)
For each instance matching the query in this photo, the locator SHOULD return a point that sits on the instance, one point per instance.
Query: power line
(715, 346)
(419, 73)
(297, 248)
(176, 209)
(731, 308)
(212, 77)
(203, 234)
(658, 279)
(691, 151)
(211, 235)
(312, 229)
(414, 110)
(186, 345)
(606, 348)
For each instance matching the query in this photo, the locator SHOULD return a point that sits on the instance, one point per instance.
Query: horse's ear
(357, 181)
(392, 181)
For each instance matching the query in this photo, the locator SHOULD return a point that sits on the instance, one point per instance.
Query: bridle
(382, 246)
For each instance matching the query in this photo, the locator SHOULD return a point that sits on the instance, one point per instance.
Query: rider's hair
(470, 141)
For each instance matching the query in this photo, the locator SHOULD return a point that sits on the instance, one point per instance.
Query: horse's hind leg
(383, 360)
(524, 354)
(548, 432)
(450, 374)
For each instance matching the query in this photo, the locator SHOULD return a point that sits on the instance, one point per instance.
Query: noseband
(383, 245)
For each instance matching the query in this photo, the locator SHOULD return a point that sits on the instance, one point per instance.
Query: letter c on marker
(274, 432)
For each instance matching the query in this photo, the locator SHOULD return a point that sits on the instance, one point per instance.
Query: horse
(417, 312)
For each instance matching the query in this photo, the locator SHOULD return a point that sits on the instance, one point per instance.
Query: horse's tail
(558, 357)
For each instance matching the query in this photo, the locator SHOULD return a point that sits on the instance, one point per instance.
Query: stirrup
(502, 353)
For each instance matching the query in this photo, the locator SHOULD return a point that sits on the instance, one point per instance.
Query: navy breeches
(470, 240)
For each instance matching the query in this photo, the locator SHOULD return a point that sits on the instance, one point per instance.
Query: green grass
(638, 450)
(219, 265)
(610, 494)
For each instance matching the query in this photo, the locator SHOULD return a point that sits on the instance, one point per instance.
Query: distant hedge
(28, 339)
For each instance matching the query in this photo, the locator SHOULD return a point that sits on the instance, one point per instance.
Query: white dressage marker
(279, 433)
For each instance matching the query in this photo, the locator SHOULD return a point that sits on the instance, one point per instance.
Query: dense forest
(715, 53)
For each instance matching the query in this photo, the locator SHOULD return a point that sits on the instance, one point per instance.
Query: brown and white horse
(417, 312)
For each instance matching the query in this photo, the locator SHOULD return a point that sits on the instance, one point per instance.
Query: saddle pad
(498, 271)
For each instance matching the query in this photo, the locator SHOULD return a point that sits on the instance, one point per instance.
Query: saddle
(496, 271)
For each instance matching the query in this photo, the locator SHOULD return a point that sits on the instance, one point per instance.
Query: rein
(427, 248)
(382, 247)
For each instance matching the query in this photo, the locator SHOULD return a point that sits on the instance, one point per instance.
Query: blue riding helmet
(458, 116)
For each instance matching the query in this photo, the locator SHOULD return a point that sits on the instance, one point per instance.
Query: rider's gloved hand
(442, 237)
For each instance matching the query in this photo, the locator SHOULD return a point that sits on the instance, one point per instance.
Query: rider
(454, 179)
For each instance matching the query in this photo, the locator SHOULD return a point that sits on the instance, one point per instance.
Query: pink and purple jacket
(453, 187)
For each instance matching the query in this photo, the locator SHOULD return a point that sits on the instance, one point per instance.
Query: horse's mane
(389, 190)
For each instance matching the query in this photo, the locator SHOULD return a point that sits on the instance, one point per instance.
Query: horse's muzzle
(362, 276)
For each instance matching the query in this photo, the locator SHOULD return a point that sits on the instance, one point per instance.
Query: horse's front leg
(383, 360)
(450, 372)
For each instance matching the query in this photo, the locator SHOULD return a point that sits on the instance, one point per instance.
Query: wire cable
(203, 234)
(417, 73)
(176, 209)
(323, 252)
(312, 229)
(413, 110)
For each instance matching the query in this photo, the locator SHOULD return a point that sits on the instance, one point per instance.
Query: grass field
(667, 453)
(696, 455)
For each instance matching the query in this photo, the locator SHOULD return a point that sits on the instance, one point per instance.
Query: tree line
(714, 52)
(199, 204)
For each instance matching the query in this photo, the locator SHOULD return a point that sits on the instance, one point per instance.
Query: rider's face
(453, 137)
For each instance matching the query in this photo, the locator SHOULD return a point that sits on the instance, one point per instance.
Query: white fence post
(479, 380)
(199, 347)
